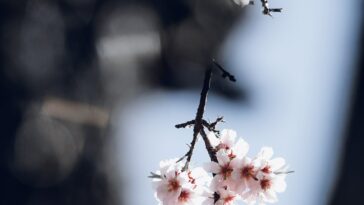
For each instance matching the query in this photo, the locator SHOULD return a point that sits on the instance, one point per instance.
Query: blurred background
(91, 91)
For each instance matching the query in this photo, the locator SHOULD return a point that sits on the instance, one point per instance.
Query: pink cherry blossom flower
(265, 190)
(176, 187)
(240, 149)
(169, 185)
(189, 196)
(198, 177)
(223, 170)
(227, 197)
(227, 142)
(244, 175)
(268, 165)
(270, 176)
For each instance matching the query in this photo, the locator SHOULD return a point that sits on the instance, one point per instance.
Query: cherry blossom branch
(198, 126)
(199, 123)
(267, 10)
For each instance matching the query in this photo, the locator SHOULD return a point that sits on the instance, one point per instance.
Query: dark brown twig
(224, 72)
(268, 11)
(198, 122)
(184, 125)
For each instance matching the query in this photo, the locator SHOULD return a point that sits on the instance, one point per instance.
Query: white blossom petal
(277, 163)
(212, 167)
(222, 157)
(279, 184)
(241, 148)
(265, 153)
(213, 139)
(228, 137)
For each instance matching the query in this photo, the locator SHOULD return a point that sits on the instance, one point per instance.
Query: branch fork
(199, 123)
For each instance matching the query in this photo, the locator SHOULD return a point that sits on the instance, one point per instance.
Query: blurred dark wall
(351, 179)
(42, 57)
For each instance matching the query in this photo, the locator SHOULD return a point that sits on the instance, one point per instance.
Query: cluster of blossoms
(236, 177)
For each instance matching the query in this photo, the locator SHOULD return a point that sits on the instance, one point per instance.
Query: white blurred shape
(128, 39)
(129, 48)
(128, 35)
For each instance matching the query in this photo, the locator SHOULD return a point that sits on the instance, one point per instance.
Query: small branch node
(212, 126)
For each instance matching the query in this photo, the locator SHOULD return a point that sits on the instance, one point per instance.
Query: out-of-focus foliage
(67, 64)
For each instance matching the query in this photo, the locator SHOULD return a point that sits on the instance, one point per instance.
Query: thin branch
(286, 172)
(184, 125)
(268, 11)
(154, 176)
(198, 122)
(209, 148)
(224, 72)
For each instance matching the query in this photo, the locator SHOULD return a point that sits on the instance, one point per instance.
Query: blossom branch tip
(267, 10)
(224, 74)
(276, 10)
(154, 176)
(287, 172)
(184, 125)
